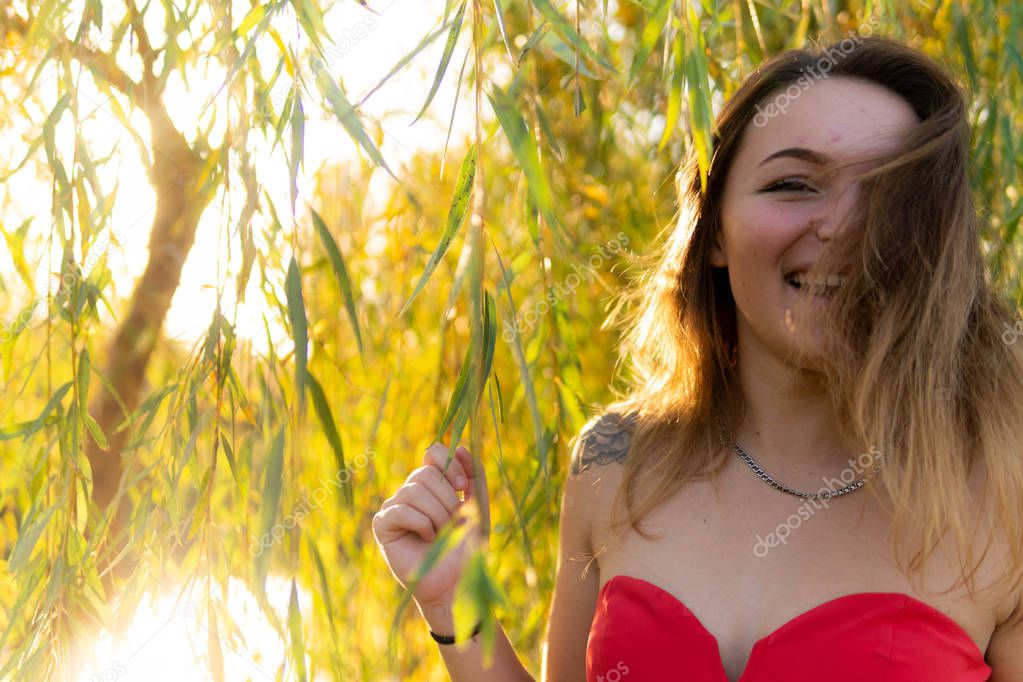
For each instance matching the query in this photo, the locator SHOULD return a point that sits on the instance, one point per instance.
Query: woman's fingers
(437, 455)
(437, 484)
(398, 520)
(473, 477)
(417, 494)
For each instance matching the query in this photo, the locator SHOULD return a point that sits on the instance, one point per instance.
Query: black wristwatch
(450, 639)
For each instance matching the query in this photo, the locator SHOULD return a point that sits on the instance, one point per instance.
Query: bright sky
(366, 47)
(399, 27)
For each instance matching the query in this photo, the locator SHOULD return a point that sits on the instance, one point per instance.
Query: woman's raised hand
(410, 520)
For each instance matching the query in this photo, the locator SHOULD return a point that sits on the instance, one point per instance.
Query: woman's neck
(789, 420)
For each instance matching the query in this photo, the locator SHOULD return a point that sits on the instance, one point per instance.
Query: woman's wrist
(440, 619)
(438, 615)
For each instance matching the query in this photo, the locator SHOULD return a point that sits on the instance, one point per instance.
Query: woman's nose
(822, 227)
(828, 220)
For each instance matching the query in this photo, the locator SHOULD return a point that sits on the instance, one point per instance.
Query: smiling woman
(825, 296)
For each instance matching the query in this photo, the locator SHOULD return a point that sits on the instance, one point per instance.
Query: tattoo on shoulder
(605, 441)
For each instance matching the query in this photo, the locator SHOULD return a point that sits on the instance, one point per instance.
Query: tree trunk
(182, 196)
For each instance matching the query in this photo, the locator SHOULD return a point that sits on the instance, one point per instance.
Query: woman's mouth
(818, 285)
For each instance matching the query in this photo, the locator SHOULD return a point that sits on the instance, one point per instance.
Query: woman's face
(779, 209)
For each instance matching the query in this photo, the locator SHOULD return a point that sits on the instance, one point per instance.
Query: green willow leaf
(462, 414)
(1013, 54)
(28, 589)
(28, 536)
(697, 74)
(321, 573)
(524, 148)
(295, 633)
(297, 142)
(548, 130)
(651, 33)
(299, 325)
(675, 93)
(456, 216)
(310, 15)
(799, 34)
(82, 381)
(289, 103)
(323, 411)
(337, 263)
(565, 30)
(537, 36)
(95, 430)
(43, 418)
(254, 16)
(566, 53)
(519, 356)
(471, 376)
(449, 47)
(962, 37)
(348, 118)
(148, 408)
(460, 394)
(423, 44)
(489, 335)
(264, 21)
(499, 15)
(1009, 230)
(482, 598)
(15, 248)
(25, 428)
(229, 454)
(272, 482)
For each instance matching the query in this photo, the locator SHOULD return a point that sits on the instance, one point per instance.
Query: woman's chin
(808, 348)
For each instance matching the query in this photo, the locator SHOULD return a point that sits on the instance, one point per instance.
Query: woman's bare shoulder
(593, 479)
(603, 440)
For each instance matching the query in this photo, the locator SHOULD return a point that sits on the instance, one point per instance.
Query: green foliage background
(584, 112)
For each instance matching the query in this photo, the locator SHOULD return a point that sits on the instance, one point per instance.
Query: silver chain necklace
(823, 495)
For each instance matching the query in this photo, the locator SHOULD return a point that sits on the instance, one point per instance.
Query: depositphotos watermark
(110, 673)
(780, 535)
(558, 291)
(309, 503)
(1012, 334)
(614, 674)
(816, 72)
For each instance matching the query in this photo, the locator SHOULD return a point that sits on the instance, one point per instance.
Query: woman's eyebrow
(800, 153)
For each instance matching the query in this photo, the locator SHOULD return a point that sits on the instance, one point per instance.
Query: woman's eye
(791, 185)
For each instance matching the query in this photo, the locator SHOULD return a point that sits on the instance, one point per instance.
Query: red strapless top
(642, 632)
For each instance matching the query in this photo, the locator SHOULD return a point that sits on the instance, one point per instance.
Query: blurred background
(256, 258)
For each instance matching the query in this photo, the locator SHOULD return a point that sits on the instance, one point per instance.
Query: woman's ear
(717, 251)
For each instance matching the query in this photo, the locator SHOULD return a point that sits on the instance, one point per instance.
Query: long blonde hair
(917, 366)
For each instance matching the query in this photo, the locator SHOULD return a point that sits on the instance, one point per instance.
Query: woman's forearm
(464, 661)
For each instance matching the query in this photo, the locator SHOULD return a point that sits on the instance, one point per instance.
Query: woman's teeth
(820, 284)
